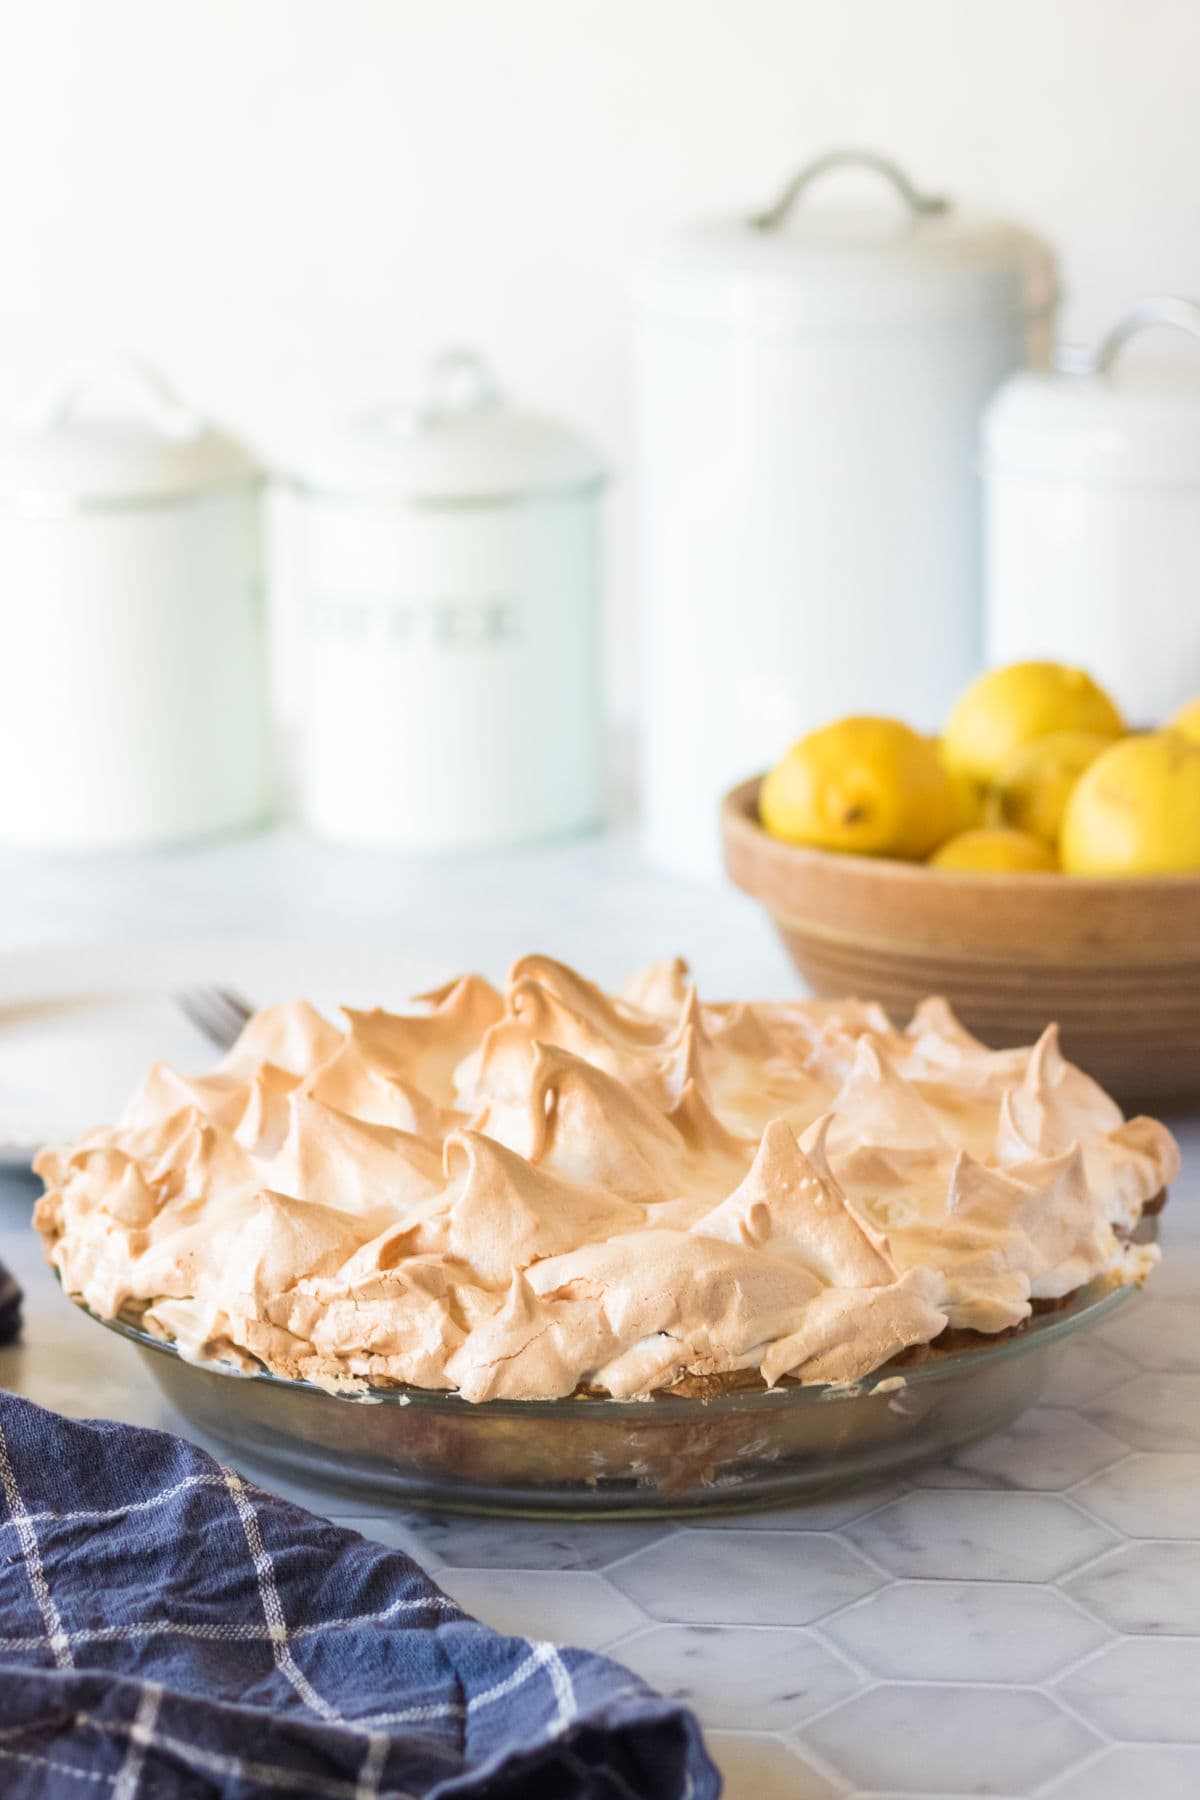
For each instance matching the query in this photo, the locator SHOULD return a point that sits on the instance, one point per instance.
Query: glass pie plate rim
(1085, 1306)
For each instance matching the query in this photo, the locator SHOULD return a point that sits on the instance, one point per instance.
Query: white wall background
(288, 202)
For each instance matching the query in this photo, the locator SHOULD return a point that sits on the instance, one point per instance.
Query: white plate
(79, 1026)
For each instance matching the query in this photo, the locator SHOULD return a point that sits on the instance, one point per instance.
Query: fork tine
(196, 1010)
(239, 1008)
(217, 1012)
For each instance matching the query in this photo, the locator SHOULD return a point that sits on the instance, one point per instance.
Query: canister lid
(1102, 418)
(458, 444)
(916, 258)
(117, 434)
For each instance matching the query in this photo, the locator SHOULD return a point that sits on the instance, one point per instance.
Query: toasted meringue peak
(423, 1051)
(1048, 1202)
(281, 1237)
(848, 1332)
(221, 1098)
(875, 1103)
(1147, 1148)
(660, 989)
(505, 1212)
(934, 1022)
(472, 994)
(343, 1162)
(266, 1115)
(792, 1202)
(591, 1128)
(722, 1299)
(515, 1352)
(579, 996)
(935, 1041)
(682, 1067)
(293, 1036)
(527, 1193)
(1057, 1105)
(706, 1137)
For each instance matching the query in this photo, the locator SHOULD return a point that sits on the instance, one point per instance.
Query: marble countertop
(1021, 1620)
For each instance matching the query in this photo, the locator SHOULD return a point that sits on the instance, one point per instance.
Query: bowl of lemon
(1039, 860)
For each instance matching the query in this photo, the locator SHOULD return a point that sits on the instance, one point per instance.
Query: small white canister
(133, 703)
(1092, 516)
(451, 658)
(810, 383)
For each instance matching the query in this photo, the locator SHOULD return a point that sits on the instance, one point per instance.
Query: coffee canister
(810, 381)
(1092, 514)
(133, 705)
(451, 662)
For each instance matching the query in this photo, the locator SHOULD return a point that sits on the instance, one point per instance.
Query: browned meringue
(524, 1193)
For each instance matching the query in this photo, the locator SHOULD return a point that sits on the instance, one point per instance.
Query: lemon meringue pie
(549, 1190)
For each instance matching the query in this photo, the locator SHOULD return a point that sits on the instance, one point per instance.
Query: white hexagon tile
(1022, 1621)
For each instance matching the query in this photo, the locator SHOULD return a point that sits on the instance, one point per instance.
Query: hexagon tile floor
(1021, 1621)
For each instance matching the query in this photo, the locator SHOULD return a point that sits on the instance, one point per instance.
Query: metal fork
(218, 1012)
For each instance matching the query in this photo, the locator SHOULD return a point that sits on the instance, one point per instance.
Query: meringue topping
(549, 1189)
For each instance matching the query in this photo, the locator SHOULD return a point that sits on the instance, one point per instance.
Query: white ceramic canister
(132, 683)
(451, 660)
(1092, 515)
(810, 382)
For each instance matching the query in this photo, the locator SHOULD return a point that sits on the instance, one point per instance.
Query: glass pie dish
(592, 1457)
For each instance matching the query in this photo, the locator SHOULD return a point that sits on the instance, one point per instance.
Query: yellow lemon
(968, 795)
(1187, 720)
(994, 850)
(1007, 708)
(870, 786)
(1033, 786)
(1136, 810)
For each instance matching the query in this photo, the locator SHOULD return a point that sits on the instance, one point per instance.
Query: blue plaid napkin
(169, 1630)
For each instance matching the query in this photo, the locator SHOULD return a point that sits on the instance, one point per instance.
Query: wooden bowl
(1115, 962)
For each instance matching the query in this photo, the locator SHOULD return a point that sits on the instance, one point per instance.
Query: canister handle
(152, 394)
(1161, 309)
(919, 203)
(454, 385)
(457, 382)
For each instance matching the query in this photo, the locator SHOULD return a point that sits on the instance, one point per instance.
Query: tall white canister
(133, 706)
(450, 653)
(810, 381)
(1092, 514)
